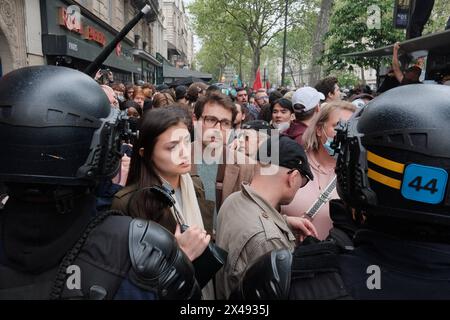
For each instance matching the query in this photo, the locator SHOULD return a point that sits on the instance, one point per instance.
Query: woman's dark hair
(274, 96)
(128, 88)
(131, 104)
(162, 99)
(143, 203)
(194, 90)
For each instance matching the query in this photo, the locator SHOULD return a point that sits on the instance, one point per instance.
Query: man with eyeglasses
(250, 223)
(214, 117)
(261, 99)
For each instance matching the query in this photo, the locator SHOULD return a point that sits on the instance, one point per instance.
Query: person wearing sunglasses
(318, 139)
(250, 223)
(261, 99)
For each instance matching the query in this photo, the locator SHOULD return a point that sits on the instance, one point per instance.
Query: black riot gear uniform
(60, 138)
(393, 178)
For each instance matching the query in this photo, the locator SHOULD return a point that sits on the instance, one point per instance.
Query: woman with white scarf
(161, 156)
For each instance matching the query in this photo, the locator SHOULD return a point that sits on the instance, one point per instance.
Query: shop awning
(170, 72)
(172, 49)
(428, 42)
(65, 45)
(147, 57)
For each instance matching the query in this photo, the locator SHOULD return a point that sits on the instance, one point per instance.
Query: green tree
(222, 45)
(439, 17)
(352, 29)
(258, 21)
(299, 43)
(347, 79)
(318, 45)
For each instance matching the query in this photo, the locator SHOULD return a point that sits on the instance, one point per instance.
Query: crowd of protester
(215, 195)
(202, 143)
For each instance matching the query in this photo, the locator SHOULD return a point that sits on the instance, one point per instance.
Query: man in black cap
(250, 223)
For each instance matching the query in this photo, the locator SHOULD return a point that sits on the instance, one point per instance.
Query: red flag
(268, 85)
(258, 83)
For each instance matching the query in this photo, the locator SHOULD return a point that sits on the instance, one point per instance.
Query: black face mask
(34, 237)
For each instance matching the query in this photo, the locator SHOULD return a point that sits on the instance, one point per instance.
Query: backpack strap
(315, 272)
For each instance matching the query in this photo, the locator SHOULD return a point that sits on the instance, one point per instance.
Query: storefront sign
(93, 34)
(73, 46)
(71, 19)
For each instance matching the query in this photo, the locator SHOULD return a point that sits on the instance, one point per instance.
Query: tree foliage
(258, 21)
(350, 32)
(439, 17)
(299, 43)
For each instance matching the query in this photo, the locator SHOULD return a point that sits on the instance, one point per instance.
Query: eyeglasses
(264, 97)
(211, 122)
(305, 178)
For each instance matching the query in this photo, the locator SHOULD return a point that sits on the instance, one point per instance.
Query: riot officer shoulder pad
(158, 264)
(267, 279)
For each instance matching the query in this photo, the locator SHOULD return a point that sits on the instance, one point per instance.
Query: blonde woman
(317, 142)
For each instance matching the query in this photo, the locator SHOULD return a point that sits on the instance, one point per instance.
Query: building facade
(19, 29)
(72, 33)
(177, 34)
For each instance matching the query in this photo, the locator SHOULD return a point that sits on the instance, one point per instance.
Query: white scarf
(191, 215)
(191, 211)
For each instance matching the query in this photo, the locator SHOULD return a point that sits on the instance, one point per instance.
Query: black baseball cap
(291, 155)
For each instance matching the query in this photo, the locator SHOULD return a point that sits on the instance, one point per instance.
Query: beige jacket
(248, 227)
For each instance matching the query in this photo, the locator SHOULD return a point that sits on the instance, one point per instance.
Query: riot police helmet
(57, 128)
(394, 156)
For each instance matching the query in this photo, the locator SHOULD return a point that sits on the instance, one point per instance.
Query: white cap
(308, 97)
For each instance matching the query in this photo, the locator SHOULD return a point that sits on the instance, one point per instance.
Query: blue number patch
(424, 184)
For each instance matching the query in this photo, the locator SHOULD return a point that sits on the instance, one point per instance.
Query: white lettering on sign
(73, 46)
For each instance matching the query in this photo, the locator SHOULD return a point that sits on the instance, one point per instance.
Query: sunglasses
(305, 178)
